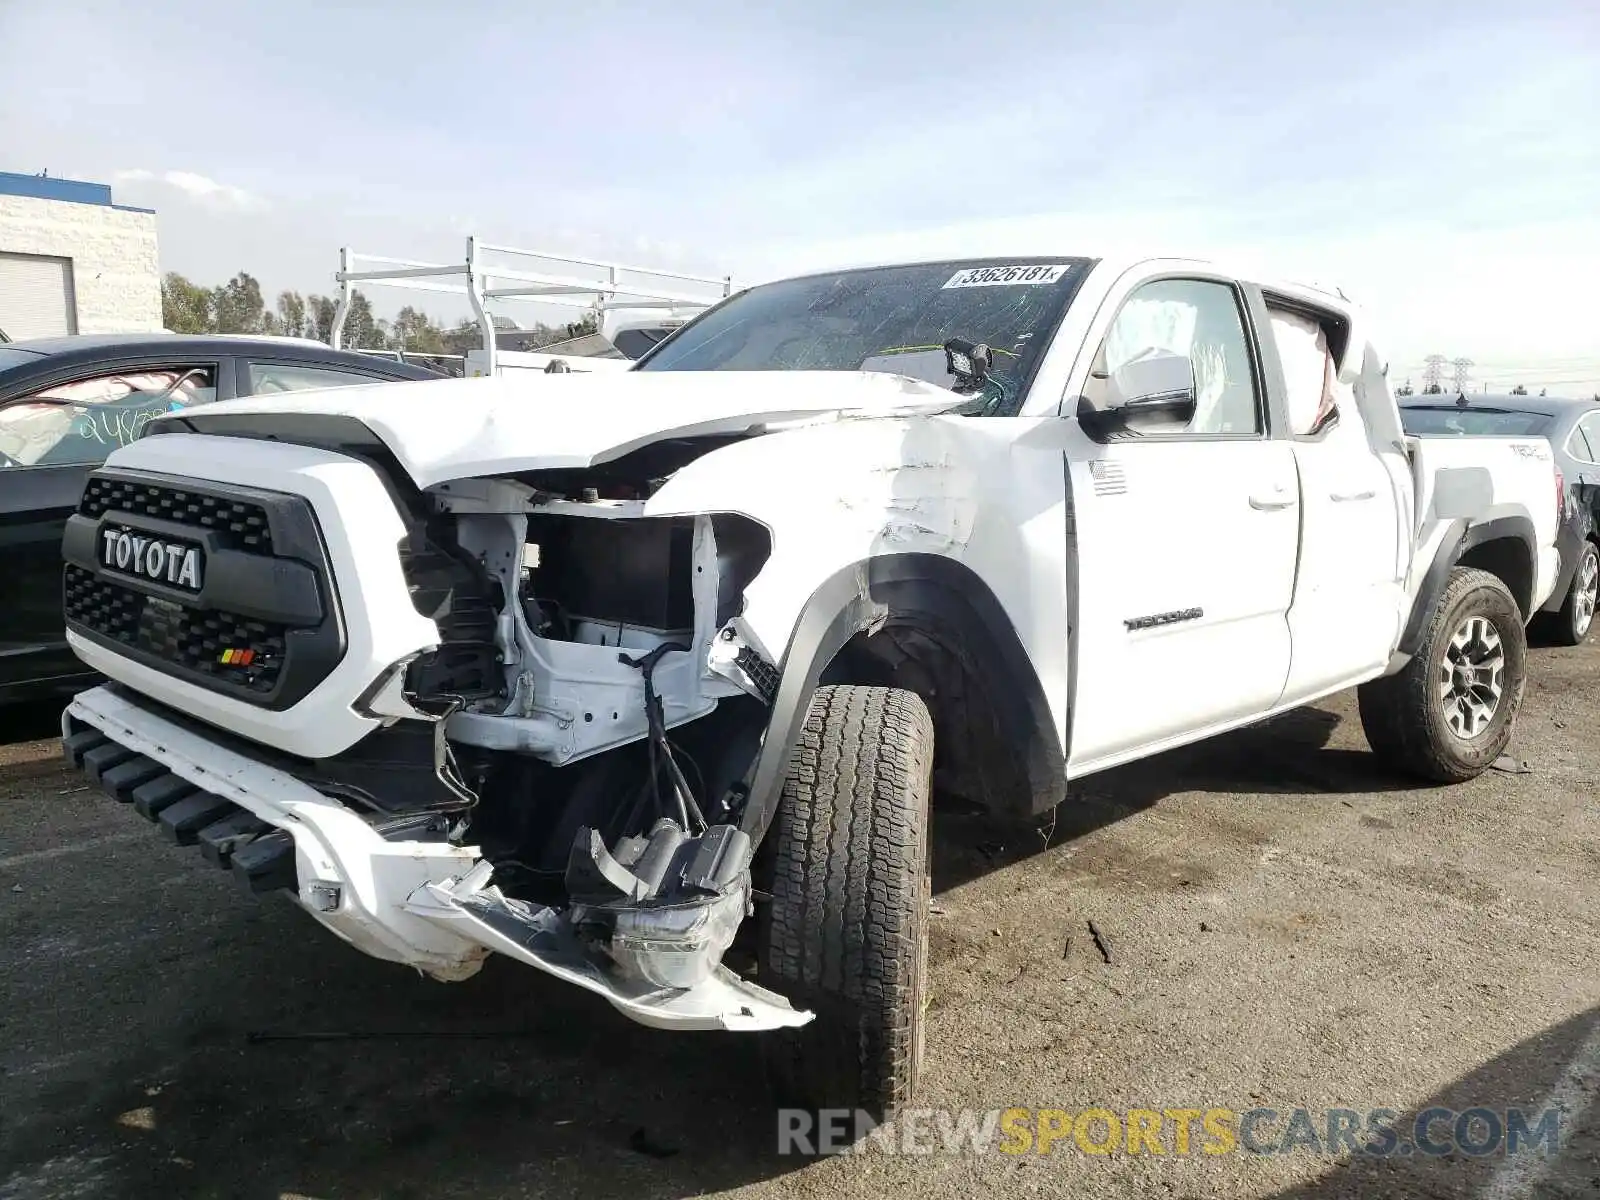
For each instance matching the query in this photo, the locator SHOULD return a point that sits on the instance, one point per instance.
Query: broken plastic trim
(541, 938)
(664, 907)
(735, 658)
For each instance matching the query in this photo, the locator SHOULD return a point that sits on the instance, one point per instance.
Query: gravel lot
(1287, 928)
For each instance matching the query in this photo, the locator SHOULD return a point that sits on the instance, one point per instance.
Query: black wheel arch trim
(1513, 528)
(871, 593)
(1461, 537)
(1433, 584)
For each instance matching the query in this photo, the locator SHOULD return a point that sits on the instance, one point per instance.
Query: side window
(1199, 320)
(1585, 443)
(80, 423)
(269, 377)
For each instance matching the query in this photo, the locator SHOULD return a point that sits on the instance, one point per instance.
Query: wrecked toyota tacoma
(603, 673)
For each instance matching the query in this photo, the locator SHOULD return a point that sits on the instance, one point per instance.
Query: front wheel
(845, 933)
(1447, 715)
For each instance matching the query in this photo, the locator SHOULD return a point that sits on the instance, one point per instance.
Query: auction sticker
(1035, 273)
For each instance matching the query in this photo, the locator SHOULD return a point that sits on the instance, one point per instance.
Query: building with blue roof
(73, 261)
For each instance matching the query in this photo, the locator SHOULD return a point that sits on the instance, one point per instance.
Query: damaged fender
(928, 500)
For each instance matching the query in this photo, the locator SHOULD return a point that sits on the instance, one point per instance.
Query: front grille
(193, 640)
(239, 524)
(262, 625)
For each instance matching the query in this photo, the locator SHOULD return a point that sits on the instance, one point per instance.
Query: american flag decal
(1109, 479)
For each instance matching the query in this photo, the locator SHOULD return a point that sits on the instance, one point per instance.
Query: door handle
(1272, 500)
(1369, 494)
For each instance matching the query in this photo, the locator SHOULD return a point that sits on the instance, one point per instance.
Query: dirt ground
(1287, 928)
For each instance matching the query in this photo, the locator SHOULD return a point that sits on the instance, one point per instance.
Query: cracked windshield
(893, 319)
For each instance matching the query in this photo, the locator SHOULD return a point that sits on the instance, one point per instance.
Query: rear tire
(1449, 713)
(846, 931)
(1571, 626)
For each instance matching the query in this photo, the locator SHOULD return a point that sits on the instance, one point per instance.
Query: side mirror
(1153, 392)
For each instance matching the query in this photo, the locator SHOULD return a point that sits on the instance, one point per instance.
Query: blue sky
(1439, 161)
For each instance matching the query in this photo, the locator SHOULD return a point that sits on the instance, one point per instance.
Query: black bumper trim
(219, 839)
(120, 781)
(153, 798)
(260, 857)
(183, 821)
(76, 745)
(102, 758)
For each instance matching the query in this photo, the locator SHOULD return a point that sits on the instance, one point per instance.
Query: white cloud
(199, 188)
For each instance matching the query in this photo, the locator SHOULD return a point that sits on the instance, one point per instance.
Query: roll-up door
(36, 297)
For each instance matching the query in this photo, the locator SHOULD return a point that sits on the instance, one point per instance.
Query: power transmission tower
(1433, 370)
(1461, 365)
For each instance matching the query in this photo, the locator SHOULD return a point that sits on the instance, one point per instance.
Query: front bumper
(425, 903)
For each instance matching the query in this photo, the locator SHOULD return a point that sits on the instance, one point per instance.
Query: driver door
(51, 437)
(1186, 539)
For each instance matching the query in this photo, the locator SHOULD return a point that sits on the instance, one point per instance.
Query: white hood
(448, 429)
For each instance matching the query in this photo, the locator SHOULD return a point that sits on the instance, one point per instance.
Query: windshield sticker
(1026, 273)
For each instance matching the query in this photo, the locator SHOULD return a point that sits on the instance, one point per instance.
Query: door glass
(269, 377)
(80, 423)
(1200, 320)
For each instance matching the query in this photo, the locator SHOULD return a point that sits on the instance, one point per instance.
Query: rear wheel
(1571, 625)
(846, 931)
(1448, 714)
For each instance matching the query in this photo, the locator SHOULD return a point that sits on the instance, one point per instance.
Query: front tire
(1570, 626)
(846, 931)
(1449, 713)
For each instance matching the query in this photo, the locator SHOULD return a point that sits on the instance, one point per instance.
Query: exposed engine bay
(593, 708)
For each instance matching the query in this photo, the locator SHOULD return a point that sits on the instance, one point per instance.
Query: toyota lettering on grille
(175, 564)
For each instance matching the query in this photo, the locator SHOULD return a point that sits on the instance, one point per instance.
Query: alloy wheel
(1472, 678)
(1585, 594)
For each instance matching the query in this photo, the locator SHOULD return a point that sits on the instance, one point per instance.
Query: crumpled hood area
(467, 428)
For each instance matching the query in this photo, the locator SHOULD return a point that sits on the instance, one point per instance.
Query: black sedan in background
(1572, 428)
(65, 404)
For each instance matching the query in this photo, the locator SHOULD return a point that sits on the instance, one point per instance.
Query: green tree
(292, 314)
(185, 306)
(319, 317)
(237, 306)
(415, 332)
(463, 339)
(363, 330)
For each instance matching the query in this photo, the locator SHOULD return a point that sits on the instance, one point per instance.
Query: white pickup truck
(595, 671)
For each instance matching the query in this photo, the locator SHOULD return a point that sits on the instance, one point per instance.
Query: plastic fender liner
(871, 593)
